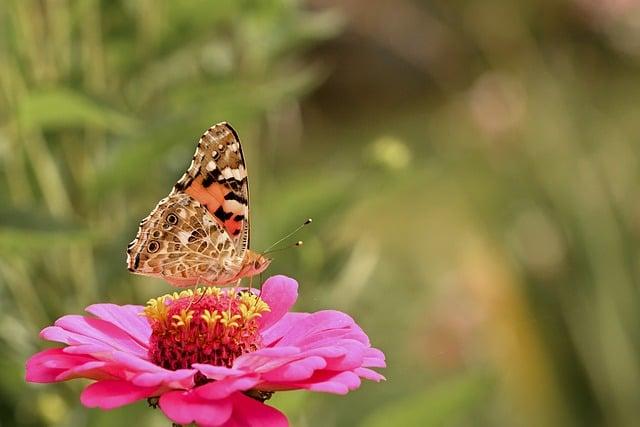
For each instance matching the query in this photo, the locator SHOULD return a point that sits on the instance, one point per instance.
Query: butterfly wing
(217, 178)
(182, 243)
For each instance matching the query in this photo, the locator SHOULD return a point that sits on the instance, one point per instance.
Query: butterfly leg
(235, 293)
(195, 294)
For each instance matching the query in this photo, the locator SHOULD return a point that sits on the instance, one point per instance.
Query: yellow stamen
(183, 319)
(210, 318)
(157, 308)
(229, 320)
(249, 307)
(212, 291)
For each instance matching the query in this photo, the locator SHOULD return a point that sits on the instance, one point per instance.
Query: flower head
(210, 325)
(211, 357)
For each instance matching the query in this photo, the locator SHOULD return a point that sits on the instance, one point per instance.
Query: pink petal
(182, 378)
(146, 374)
(295, 371)
(281, 327)
(352, 329)
(374, 358)
(330, 382)
(221, 389)
(109, 394)
(280, 292)
(129, 361)
(55, 365)
(331, 333)
(315, 325)
(44, 367)
(95, 370)
(356, 333)
(248, 412)
(126, 317)
(86, 345)
(369, 374)
(266, 359)
(351, 359)
(217, 372)
(326, 338)
(75, 329)
(342, 357)
(273, 352)
(185, 407)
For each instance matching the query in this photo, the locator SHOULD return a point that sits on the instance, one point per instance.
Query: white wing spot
(184, 237)
(239, 173)
(234, 205)
(207, 221)
(226, 172)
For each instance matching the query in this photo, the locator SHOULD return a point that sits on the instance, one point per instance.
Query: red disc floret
(209, 326)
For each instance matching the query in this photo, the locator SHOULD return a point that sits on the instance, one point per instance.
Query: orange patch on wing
(232, 227)
(212, 198)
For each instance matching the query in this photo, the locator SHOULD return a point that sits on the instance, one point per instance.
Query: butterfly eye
(256, 264)
(172, 219)
(153, 246)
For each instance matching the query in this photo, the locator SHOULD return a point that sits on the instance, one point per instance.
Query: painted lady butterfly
(199, 233)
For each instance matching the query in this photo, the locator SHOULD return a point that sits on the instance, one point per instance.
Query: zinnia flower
(211, 357)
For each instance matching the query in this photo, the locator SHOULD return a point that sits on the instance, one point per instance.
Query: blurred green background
(471, 168)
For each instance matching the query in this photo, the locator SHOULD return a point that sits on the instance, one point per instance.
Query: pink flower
(211, 357)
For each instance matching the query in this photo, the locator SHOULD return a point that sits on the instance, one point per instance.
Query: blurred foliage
(101, 105)
(471, 168)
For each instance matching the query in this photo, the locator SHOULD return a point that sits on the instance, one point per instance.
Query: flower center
(210, 325)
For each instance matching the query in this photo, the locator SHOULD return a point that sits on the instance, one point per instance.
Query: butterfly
(199, 233)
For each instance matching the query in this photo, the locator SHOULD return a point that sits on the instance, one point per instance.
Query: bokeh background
(472, 170)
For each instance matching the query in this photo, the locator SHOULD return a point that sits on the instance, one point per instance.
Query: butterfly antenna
(299, 243)
(293, 245)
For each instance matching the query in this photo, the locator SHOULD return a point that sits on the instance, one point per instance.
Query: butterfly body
(199, 233)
